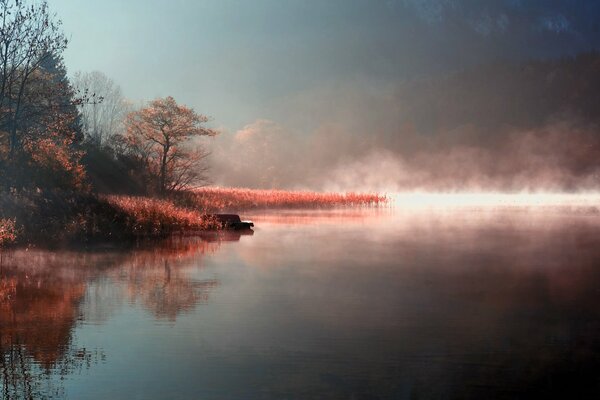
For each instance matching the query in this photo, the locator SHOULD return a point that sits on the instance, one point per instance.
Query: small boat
(232, 221)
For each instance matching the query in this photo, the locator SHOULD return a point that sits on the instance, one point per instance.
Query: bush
(8, 231)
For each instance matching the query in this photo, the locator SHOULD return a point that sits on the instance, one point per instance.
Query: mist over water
(426, 301)
(561, 157)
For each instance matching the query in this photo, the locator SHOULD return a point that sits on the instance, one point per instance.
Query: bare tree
(103, 115)
(162, 133)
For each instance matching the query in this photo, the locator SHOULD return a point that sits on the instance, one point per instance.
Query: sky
(239, 60)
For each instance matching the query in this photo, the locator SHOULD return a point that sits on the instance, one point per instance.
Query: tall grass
(190, 211)
(151, 217)
(236, 199)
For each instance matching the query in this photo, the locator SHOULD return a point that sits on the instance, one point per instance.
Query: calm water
(315, 305)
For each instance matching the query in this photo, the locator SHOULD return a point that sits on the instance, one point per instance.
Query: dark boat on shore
(232, 221)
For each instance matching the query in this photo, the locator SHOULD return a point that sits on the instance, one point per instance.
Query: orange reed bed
(151, 216)
(235, 199)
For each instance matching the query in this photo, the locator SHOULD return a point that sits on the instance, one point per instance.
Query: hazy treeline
(500, 126)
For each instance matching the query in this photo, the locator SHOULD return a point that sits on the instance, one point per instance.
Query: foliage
(39, 125)
(111, 172)
(60, 216)
(159, 135)
(29, 34)
(51, 157)
(8, 231)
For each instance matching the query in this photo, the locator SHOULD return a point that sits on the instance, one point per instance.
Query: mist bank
(501, 126)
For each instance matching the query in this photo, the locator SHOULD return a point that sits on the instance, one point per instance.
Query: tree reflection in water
(45, 294)
(38, 310)
(158, 279)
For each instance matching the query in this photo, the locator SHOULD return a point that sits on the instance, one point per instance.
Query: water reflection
(44, 295)
(361, 304)
(38, 309)
(437, 304)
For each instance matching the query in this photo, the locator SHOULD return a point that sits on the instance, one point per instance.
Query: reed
(216, 199)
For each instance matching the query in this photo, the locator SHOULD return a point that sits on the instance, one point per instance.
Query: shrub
(8, 231)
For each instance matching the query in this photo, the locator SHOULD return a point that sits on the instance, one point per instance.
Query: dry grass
(234, 199)
(151, 217)
(188, 211)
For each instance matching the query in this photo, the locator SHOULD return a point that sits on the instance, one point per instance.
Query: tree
(39, 123)
(49, 136)
(102, 117)
(160, 135)
(29, 34)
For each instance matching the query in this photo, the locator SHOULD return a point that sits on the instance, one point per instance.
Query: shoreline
(50, 218)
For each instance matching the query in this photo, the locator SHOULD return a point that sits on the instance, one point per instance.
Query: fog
(365, 95)
(559, 157)
(356, 142)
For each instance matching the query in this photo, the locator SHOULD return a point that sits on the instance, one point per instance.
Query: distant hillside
(495, 96)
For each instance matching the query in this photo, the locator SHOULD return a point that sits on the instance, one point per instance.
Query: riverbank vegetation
(228, 199)
(80, 162)
(58, 217)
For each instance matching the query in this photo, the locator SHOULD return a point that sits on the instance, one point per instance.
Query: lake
(430, 302)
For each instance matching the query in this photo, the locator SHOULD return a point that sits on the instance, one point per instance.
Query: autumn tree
(29, 34)
(49, 155)
(39, 123)
(161, 136)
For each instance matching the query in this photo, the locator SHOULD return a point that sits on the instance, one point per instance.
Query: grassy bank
(41, 217)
